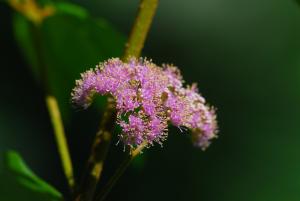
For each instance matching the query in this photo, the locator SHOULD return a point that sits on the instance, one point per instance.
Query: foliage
(18, 182)
(71, 42)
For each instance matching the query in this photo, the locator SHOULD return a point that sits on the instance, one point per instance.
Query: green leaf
(23, 35)
(72, 42)
(18, 182)
(71, 9)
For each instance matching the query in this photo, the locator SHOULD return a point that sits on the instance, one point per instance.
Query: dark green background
(245, 56)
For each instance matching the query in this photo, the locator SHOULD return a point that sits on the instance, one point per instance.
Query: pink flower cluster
(147, 98)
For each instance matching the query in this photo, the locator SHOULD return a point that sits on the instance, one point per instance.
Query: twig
(140, 29)
(60, 138)
(98, 154)
(107, 188)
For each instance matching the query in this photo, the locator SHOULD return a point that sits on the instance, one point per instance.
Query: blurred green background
(245, 56)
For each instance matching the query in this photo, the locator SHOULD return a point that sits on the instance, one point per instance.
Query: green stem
(112, 181)
(60, 138)
(140, 28)
(98, 154)
(53, 108)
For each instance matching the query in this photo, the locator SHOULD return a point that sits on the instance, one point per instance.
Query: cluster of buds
(148, 98)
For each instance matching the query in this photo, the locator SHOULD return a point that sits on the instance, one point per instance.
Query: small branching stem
(140, 29)
(98, 154)
(112, 181)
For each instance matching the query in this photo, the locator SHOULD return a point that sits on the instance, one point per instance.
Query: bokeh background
(245, 57)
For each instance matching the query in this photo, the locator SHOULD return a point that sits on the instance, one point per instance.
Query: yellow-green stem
(102, 195)
(60, 138)
(98, 154)
(52, 106)
(140, 29)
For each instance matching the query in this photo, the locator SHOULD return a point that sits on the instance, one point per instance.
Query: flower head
(148, 97)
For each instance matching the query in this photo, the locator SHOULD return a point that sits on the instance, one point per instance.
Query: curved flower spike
(147, 98)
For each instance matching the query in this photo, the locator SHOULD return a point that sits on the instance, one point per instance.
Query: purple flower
(147, 98)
